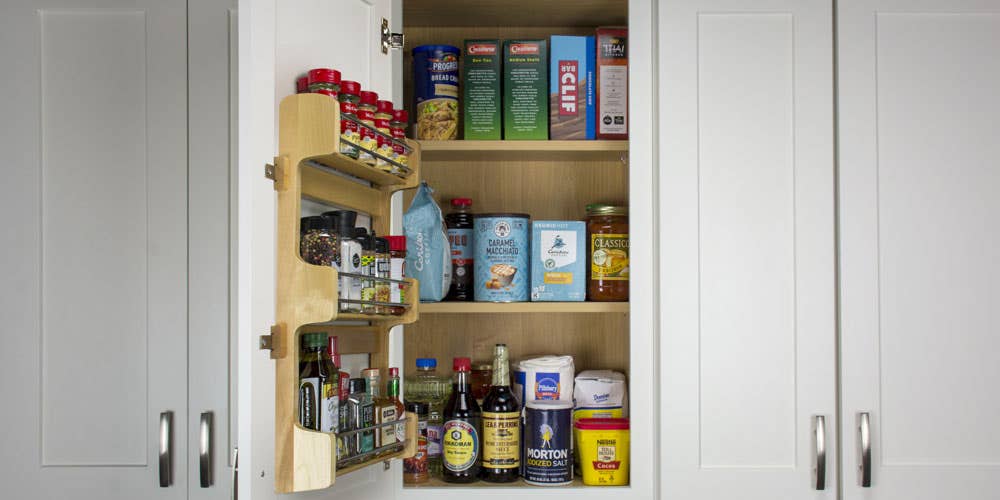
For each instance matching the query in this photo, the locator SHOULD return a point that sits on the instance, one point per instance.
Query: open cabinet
(550, 180)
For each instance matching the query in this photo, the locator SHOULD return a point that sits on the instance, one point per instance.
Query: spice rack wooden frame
(309, 165)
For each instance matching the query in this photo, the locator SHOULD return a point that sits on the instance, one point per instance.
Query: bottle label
(309, 390)
(461, 256)
(329, 418)
(501, 440)
(609, 257)
(387, 434)
(434, 440)
(397, 271)
(460, 445)
(367, 419)
(417, 465)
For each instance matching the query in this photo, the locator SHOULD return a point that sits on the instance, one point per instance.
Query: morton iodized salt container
(500, 257)
(548, 432)
(435, 91)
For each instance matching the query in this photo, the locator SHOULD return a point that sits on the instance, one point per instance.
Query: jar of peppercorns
(319, 244)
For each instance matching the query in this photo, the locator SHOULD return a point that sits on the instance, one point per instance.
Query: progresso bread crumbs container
(435, 91)
(500, 256)
(547, 455)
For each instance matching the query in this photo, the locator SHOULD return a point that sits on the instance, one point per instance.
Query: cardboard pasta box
(525, 90)
(481, 90)
(572, 111)
(612, 83)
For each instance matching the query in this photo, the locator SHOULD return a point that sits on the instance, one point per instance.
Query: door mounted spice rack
(309, 165)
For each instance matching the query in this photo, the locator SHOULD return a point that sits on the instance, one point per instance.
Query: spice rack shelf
(511, 150)
(522, 307)
(309, 165)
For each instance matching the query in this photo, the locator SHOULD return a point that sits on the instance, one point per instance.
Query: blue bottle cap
(426, 363)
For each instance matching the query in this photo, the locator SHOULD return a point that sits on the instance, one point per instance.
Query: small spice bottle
(302, 85)
(349, 133)
(397, 126)
(415, 468)
(324, 81)
(367, 269)
(383, 266)
(318, 244)
(397, 271)
(383, 117)
(366, 114)
(607, 248)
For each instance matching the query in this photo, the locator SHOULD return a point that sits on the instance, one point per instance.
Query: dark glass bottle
(501, 424)
(460, 226)
(461, 441)
(318, 397)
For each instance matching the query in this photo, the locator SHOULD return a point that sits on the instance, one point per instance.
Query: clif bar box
(481, 90)
(571, 87)
(612, 83)
(525, 90)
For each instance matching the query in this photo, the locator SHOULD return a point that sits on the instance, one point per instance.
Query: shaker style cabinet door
(919, 177)
(747, 285)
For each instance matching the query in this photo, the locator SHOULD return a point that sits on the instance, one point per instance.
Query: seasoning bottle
(318, 244)
(350, 257)
(350, 135)
(461, 443)
(397, 126)
(415, 468)
(460, 226)
(428, 387)
(501, 424)
(383, 271)
(318, 399)
(324, 81)
(366, 287)
(366, 114)
(346, 445)
(385, 409)
(607, 247)
(302, 85)
(361, 414)
(392, 389)
(383, 116)
(397, 271)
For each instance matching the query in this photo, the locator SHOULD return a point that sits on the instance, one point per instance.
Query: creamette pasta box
(525, 90)
(571, 87)
(481, 90)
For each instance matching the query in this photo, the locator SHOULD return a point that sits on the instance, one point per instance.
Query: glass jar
(383, 116)
(400, 118)
(302, 85)
(607, 249)
(366, 114)
(397, 271)
(415, 468)
(324, 81)
(318, 245)
(349, 133)
(382, 270)
(482, 379)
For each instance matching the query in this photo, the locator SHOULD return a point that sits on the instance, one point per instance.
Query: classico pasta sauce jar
(435, 90)
(607, 248)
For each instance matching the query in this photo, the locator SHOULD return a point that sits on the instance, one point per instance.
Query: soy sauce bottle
(461, 436)
(460, 226)
(501, 424)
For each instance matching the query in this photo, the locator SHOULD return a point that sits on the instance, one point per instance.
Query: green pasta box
(525, 90)
(481, 90)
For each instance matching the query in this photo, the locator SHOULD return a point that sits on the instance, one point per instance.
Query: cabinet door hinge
(276, 172)
(272, 342)
(390, 40)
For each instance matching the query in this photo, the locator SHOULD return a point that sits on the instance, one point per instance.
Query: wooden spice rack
(309, 165)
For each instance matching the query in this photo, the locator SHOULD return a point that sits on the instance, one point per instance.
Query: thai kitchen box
(558, 255)
(612, 83)
(525, 90)
(481, 90)
(572, 110)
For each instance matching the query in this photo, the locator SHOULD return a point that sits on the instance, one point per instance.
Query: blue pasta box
(558, 256)
(572, 88)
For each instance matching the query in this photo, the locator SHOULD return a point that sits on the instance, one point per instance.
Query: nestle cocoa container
(500, 257)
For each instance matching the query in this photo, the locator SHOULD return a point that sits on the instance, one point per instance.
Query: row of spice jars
(381, 142)
(333, 240)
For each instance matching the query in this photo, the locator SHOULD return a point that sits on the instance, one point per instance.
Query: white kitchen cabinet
(918, 201)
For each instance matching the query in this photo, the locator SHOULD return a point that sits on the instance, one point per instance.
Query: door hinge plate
(276, 172)
(272, 342)
(390, 40)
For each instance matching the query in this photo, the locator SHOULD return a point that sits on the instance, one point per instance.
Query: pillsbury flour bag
(428, 256)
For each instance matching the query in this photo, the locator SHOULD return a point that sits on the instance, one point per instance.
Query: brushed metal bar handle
(234, 492)
(166, 450)
(819, 452)
(864, 450)
(205, 449)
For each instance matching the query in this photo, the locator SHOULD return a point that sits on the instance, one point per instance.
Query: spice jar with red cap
(366, 114)
(397, 271)
(400, 117)
(349, 134)
(324, 81)
(302, 85)
(383, 116)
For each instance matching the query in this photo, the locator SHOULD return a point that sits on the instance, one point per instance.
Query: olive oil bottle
(460, 440)
(501, 424)
(318, 398)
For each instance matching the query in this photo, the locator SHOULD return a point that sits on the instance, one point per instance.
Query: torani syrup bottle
(461, 440)
(501, 424)
(460, 238)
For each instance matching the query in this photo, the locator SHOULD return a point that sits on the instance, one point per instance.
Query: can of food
(604, 450)
(500, 244)
(435, 91)
(547, 458)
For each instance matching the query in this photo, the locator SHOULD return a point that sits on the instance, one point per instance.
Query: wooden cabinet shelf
(590, 13)
(513, 150)
(522, 307)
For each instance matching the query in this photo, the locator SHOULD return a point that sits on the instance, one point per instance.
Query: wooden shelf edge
(522, 307)
(520, 146)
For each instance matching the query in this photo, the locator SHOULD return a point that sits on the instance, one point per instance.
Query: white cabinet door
(94, 247)
(747, 279)
(919, 177)
(278, 42)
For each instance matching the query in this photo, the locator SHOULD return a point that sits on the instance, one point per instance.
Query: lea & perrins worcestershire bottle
(461, 442)
(501, 424)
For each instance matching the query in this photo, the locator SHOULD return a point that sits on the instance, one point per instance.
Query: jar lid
(316, 223)
(418, 407)
(422, 362)
(368, 97)
(512, 216)
(435, 48)
(461, 365)
(483, 366)
(401, 115)
(601, 209)
(398, 244)
(302, 84)
(393, 372)
(461, 202)
(357, 385)
(550, 404)
(385, 107)
(350, 87)
(381, 245)
(324, 75)
(602, 424)
(370, 373)
(314, 340)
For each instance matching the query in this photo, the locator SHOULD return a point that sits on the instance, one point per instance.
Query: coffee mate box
(481, 90)
(525, 90)
(572, 90)
(612, 83)
(558, 255)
